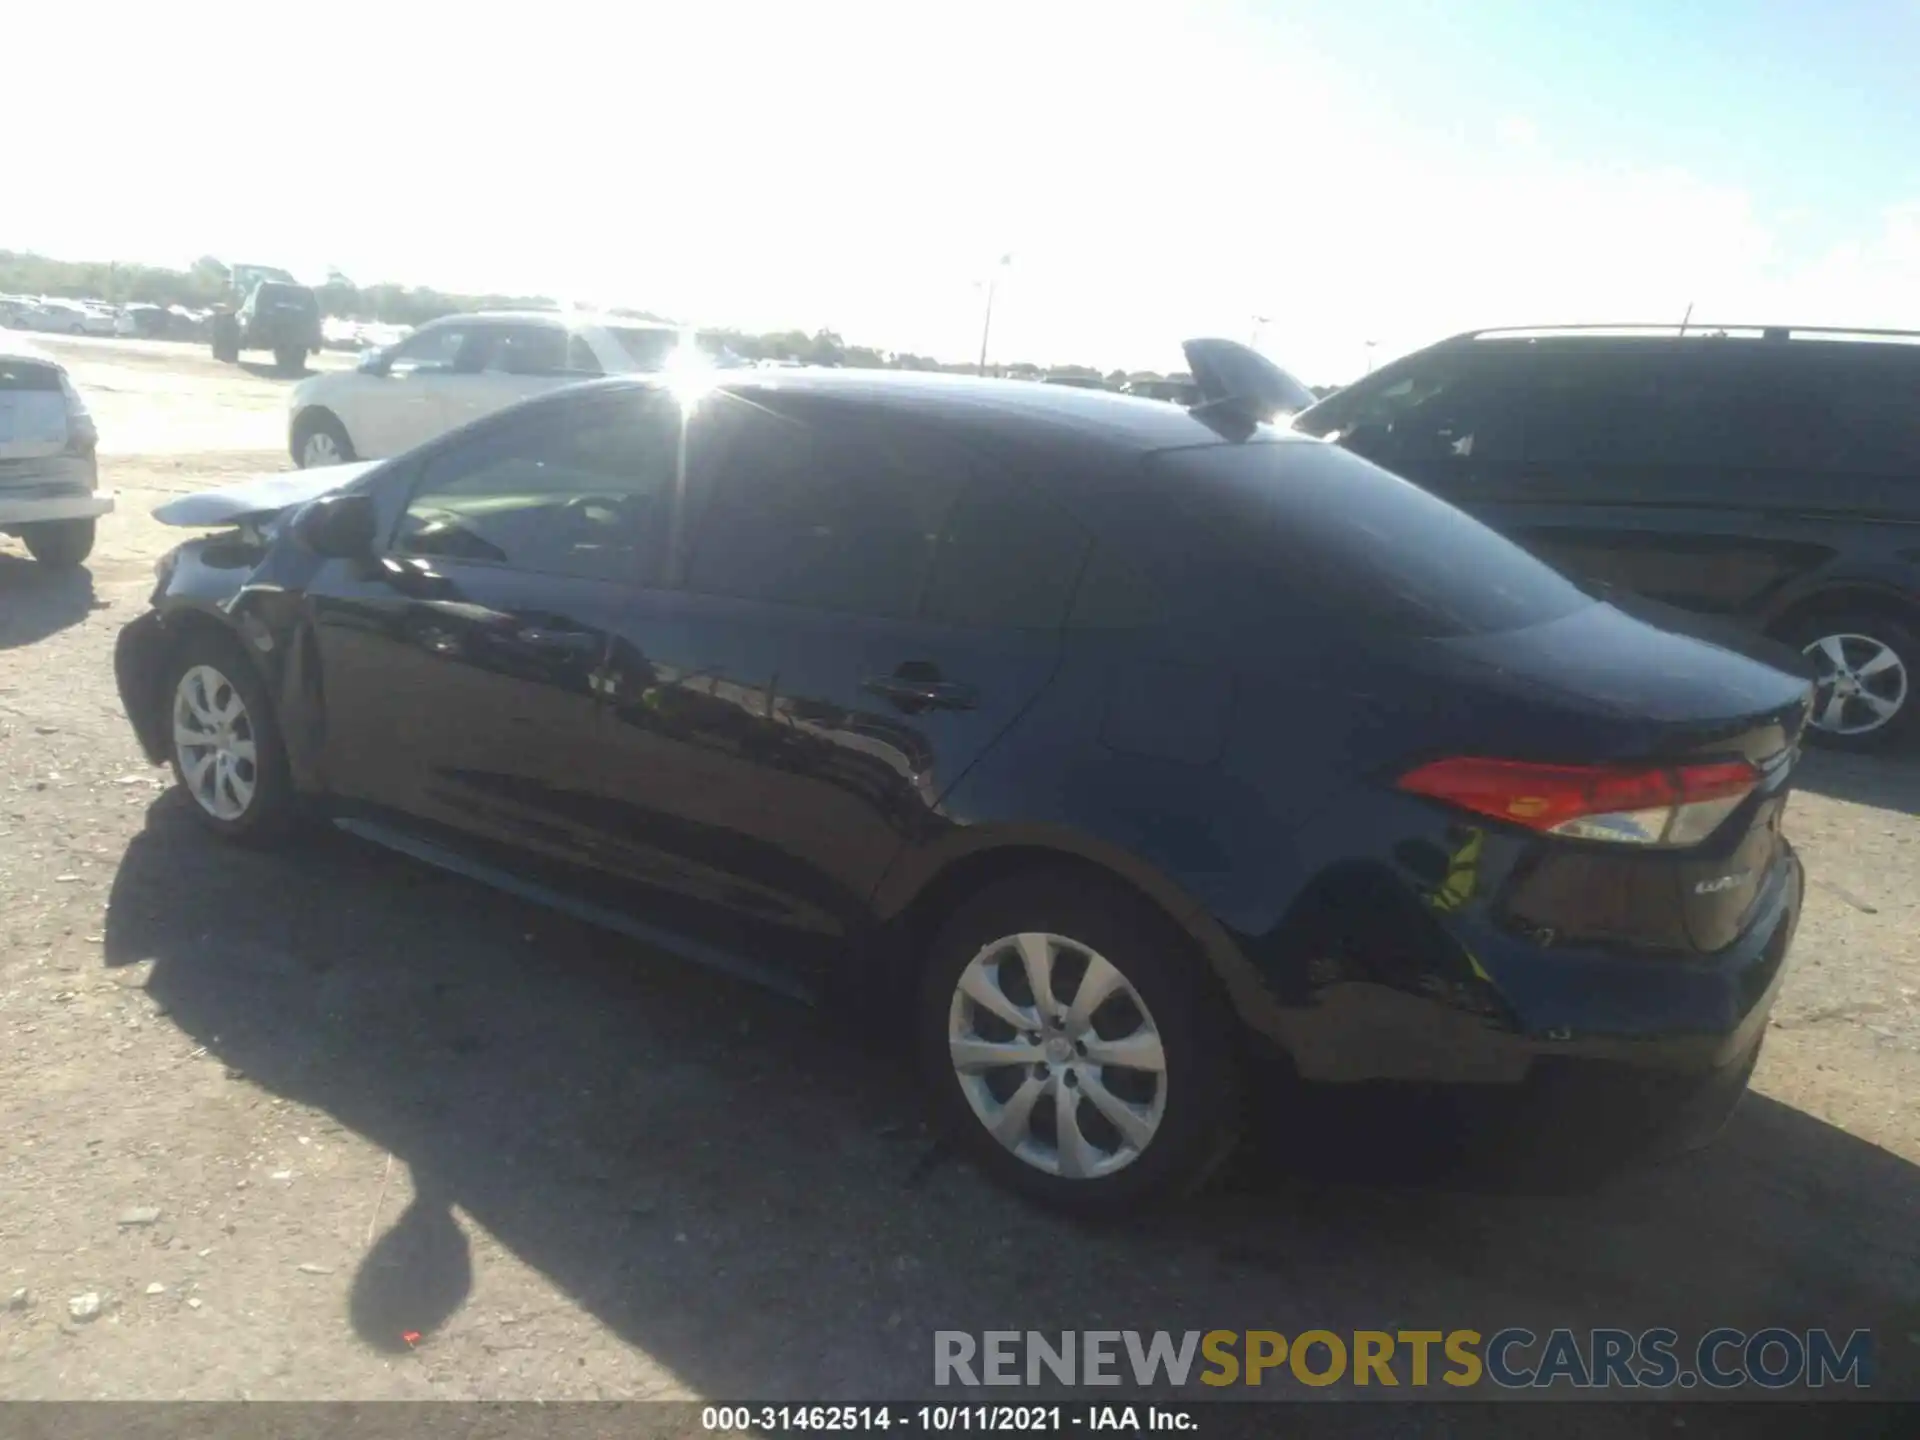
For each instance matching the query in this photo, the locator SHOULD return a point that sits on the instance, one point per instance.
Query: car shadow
(262, 370)
(1886, 782)
(723, 1180)
(37, 601)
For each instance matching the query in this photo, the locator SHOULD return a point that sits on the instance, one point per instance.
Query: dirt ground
(277, 1113)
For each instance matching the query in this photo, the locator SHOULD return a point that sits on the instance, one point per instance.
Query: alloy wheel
(213, 739)
(1861, 684)
(1057, 1055)
(319, 449)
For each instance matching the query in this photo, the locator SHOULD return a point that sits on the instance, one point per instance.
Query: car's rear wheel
(320, 439)
(1865, 666)
(59, 544)
(292, 359)
(1074, 1047)
(226, 747)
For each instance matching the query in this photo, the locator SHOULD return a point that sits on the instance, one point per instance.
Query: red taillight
(1634, 805)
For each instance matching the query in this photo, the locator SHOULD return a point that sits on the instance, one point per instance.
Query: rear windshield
(19, 373)
(1337, 536)
(269, 292)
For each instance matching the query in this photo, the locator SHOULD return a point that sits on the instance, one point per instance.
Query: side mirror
(340, 527)
(375, 362)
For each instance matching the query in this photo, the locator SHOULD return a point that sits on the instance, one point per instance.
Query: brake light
(82, 436)
(1633, 805)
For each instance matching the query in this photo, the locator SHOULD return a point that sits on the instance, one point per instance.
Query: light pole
(986, 326)
(1370, 344)
(1260, 323)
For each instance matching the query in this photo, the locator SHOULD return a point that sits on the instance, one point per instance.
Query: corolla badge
(1720, 882)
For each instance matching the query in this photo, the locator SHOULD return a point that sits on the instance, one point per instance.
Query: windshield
(1337, 536)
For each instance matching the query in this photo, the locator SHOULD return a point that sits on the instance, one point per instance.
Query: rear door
(521, 359)
(463, 671)
(837, 652)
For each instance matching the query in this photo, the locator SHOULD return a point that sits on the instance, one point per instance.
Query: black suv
(1770, 476)
(276, 316)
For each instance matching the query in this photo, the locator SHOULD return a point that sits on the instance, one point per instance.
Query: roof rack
(1693, 327)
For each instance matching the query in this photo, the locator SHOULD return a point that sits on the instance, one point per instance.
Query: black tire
(319, 422)
(270, 813)
(59, 544)
(292, 359)
(1201, 1117)
(1894, 632)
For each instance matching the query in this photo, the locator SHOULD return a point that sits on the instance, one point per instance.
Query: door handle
(914, 693)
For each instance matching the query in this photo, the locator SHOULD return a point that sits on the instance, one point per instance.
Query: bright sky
(1353, 170)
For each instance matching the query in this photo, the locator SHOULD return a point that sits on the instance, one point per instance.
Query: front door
(462, 672)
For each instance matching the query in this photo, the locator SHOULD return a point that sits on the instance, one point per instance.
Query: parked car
(148, 322)
(1101, 746)
(276, 315)
(1767, 477)
(457, 369)
(49, 495)
(71, 317)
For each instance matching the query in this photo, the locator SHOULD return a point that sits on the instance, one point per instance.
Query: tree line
(207, 283)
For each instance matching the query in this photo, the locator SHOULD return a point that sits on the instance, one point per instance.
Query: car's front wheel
(59, 544)
(227, 753)
(1074, 1047)
(320, 439)
(1865, 665)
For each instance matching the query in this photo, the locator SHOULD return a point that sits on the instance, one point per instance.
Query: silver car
(49, 477)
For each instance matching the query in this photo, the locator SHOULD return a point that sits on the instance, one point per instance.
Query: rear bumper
(1512, 1012)
(36, 510)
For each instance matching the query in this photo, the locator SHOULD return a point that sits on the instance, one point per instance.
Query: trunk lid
(33, 410)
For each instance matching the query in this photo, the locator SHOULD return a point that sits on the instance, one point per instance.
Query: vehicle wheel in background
(292, 359)
(226, 748)
(1867, 663)
(1075, 1047)
(60, 544)
(320, 439)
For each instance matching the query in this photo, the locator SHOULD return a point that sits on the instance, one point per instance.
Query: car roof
(1021, 410)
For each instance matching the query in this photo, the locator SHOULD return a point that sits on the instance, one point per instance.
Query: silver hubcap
(1058, 1055)
(213, 740)
(1862, 684)
(320, 449)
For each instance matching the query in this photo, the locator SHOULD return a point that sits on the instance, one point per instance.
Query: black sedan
(1120, 750)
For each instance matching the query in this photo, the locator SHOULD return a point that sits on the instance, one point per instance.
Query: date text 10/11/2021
(947, 1419)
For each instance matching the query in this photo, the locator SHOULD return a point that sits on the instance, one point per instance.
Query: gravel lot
(278, 1112)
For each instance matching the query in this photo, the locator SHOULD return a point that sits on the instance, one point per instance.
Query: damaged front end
(231, 581)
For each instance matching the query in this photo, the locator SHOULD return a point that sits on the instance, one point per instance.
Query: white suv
(48, 473)
(457, 369)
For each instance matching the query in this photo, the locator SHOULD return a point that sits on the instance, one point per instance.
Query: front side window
(836, 515)
(581, 490)
(1447, 408)
(433, 351)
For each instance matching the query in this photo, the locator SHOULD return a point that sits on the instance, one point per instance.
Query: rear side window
(837, 515)
(1339, 538)
(1005, 562)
